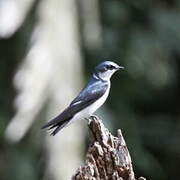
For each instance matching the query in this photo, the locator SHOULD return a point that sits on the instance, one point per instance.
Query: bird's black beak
(119, 67)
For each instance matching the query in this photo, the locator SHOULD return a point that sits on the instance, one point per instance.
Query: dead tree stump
(107, 158)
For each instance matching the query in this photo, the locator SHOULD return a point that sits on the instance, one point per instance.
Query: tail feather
(51, 123)
(57, 126)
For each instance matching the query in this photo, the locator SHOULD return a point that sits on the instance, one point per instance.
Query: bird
(90, 98)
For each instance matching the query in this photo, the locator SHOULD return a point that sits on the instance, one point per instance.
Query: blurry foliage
(144, 36)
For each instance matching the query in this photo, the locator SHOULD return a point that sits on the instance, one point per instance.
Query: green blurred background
(144, 37)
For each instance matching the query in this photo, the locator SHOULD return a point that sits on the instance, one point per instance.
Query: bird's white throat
(106, 75)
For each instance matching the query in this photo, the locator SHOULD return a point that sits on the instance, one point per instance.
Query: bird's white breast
(88, 111)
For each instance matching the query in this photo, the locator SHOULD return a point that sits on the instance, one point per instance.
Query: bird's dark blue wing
(93, 91)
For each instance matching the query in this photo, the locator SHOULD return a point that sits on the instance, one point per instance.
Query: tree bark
(107, 157)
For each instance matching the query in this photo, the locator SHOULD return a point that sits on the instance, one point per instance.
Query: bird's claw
(94, 117)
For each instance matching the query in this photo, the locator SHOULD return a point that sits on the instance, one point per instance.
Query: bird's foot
(94, 117)
(88, 120)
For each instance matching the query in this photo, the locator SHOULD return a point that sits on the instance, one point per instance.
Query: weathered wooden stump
(107, 158)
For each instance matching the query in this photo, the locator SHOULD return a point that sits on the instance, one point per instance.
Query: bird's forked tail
(56, 126)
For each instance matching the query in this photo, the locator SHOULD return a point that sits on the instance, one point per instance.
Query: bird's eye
(110, 67)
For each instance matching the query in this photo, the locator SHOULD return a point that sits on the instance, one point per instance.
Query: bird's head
(106, 69)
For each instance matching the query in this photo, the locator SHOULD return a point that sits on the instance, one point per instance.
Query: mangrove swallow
(89, 99)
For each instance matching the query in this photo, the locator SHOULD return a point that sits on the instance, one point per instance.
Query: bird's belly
(88, 111)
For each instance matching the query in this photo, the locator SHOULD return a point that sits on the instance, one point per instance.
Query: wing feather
(93, 91)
